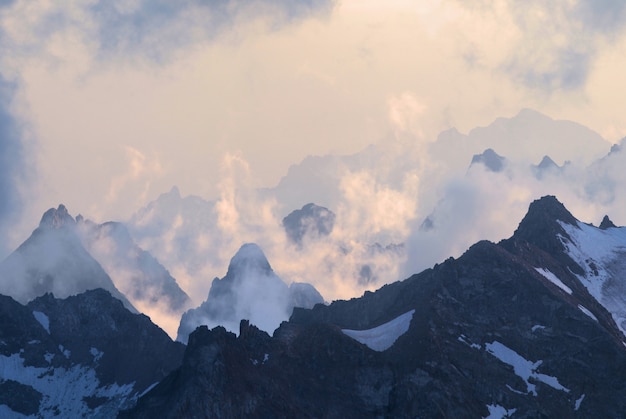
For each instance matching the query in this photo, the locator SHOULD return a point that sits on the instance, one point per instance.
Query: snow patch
(498, 412)
(553, 278)
(587, 312)
(578, 402)
(384, 336)
(602, 256)
(64, 390)
(464, 340)
(97, 355)
(66, 352)
(43, 320)
(522, 367)
(515, 391)
(150, 387)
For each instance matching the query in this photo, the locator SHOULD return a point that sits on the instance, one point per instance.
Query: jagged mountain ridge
(509, 327)
(85, 355)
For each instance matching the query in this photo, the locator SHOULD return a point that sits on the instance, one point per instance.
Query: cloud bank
(12, 172)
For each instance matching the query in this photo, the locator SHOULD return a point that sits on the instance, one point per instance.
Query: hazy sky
(106, 104)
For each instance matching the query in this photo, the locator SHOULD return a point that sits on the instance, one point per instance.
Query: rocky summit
(529, 327)
(250, 290)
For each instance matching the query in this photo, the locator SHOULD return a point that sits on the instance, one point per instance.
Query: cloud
(12, 170)
(606, 16)
(559, 41)
(134, 183)
(404, 112)
(153, 29)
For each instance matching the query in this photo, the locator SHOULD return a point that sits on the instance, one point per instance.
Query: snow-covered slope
(67, 391)
(602, 256)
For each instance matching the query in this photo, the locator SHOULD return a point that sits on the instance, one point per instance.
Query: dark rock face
(89, 345)
(540, 228)
(489, 331)
(312, 221)
(131, 345)
(309, 372)
(606, 223)
(19, 397)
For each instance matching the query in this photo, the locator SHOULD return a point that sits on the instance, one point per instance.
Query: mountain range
(532, 326)
(528, 327)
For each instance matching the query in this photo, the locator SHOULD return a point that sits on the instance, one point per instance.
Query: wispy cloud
(12, 167)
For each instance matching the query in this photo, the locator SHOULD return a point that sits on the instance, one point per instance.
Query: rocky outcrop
(311, 221)
(84, 356)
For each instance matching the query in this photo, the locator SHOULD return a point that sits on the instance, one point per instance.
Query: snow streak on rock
(523, 368)
(553, 278)
(43, 319)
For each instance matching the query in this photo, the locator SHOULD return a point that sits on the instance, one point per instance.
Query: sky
(104, 105)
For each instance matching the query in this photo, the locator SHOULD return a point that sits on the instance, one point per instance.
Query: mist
(12, 173)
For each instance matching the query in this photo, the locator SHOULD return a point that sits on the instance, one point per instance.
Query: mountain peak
(606, 223)
(248, 257)
(492, 160)
(542, 213)
(541, 227)
(312, 220)
(547, 163)
(56, 218)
